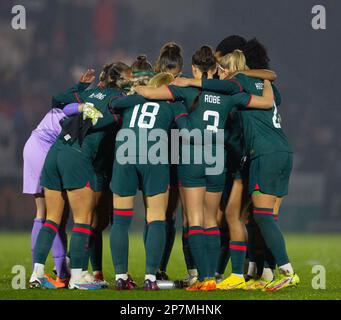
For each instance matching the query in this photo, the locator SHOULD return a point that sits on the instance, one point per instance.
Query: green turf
(304, 250)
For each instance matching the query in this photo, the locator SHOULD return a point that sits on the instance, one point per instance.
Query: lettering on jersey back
(99, 96)
(212, 99)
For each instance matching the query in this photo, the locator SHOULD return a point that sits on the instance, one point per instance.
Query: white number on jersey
(276, 119)
(147, 118)
(215, 114)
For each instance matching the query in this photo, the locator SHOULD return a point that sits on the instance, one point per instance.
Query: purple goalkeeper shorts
(35, 152)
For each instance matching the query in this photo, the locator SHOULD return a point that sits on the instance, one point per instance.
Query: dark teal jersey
(212, 109)
(262, 129)
(101, 99)
(143, 117)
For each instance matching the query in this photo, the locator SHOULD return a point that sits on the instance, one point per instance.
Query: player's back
(147, 121)
(208, 111)
(49, 127)
(262, 129)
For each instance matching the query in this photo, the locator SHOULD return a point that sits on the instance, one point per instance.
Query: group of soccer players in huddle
(73, 162)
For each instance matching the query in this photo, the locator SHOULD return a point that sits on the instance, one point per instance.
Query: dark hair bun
(204, 58)
(171, 48)
(141, 58)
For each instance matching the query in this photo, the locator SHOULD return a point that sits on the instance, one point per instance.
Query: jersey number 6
(276, 119)
(147, 118)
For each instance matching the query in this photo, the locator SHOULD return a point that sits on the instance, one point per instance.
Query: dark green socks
(212, 236)
(224, 255)
(79, 244)
(272, 234)
(196, 241)
(190, 264)
(155, 245)
(238, 254)
(119, 239)
(44, 241)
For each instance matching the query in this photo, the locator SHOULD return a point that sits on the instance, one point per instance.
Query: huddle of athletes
(71, 164)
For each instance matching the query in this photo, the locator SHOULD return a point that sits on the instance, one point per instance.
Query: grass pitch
(305, 251)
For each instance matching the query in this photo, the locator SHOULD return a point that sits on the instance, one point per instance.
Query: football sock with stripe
(238, 254)
(155, 245)
(212, 236)
(224, 255)
(119, 239)
(59, 249)
(190, 264)
(196, 241)
(78, 246)
(170, 237)
(44, 241)
(272, 234)
(96, 251)
(37, 225)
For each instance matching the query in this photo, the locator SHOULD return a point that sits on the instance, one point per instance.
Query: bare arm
(187, 82)
(161, 93)
(259, 73)
(266, 101)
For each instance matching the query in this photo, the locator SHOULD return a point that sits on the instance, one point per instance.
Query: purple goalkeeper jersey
(49, 128)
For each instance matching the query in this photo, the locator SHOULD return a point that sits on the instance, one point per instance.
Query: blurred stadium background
(64, 37)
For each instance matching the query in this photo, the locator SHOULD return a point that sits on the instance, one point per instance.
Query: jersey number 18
(147, 118)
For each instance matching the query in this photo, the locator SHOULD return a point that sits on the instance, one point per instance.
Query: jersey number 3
(147, 118)
(215, 115)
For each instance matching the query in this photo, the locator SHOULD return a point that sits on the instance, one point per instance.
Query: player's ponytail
(111, 75)
(141, 64)
(234, 61)
(163, 78)
(170, 59)
(205, 61)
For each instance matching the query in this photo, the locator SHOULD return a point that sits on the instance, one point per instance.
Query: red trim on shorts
(238, 247)
(180, 115)
(212, 232)
(173, 98)
(191, 232)
(262, 212)
(257, 187)
(124, 212)
(88, 185)
(82, 230)
(275, 217)
(51, 226)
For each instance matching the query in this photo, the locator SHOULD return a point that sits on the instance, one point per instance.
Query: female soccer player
(35, 151)
(142, 118)
(202, 192)
(270, 165)
(69, 173)
(170, 60)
